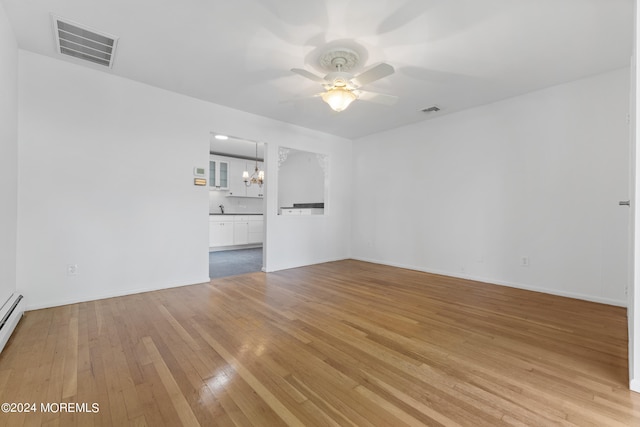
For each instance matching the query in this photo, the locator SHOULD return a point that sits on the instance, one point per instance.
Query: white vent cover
(432, 109)
(81, 42)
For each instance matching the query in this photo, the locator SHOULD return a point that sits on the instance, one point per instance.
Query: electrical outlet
(524, 261)
(72, 269)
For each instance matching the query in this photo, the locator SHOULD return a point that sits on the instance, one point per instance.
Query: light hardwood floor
(344, 343)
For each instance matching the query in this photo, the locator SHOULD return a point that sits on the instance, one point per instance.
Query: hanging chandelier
(257, 177)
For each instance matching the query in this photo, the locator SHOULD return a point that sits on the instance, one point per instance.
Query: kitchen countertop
(305, 206)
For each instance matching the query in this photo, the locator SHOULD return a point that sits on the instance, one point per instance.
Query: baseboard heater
(10, 314)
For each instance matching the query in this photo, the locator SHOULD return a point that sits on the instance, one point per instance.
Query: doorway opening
(236, 205)
(234, 262)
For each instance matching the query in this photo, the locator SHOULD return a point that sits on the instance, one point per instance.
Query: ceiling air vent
(432, 109)
(81, 42)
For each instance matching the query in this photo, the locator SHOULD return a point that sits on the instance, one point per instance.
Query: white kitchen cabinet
(256, 229)
(241, 230)
(237, 186)
(221, 232)
(290, 212)
(302, 211)
(254, 190)
(232, 230)
(236, 183)
(218, 173)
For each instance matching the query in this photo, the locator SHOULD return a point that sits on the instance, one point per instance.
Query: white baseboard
(608, 301)
(234, 247)
(269, 269)
(10, 314)
(634, 385)
(86, 298)
(619, 303)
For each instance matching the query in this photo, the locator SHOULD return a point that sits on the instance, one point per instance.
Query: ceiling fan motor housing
(338, 78)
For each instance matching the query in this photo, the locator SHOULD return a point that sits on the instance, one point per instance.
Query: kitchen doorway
(236, 205)
(234, 262)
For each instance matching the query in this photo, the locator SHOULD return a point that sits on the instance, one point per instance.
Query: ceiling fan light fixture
(342, 87)
(339, 98)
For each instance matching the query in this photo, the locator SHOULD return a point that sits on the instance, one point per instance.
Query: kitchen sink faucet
(221, 208)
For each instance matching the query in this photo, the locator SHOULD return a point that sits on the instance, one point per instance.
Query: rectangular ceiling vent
(432, 109)
(83, 43)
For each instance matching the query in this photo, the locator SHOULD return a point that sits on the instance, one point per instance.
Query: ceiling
(453, 53)
(236, 147)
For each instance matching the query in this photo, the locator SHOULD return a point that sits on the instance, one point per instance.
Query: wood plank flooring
(339, 344)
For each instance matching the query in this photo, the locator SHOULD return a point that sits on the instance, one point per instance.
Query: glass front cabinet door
(218, 174)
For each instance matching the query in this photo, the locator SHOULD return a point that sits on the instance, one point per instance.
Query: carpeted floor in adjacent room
(231, 263)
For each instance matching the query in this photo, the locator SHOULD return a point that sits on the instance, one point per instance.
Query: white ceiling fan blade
(299, 98)
(378, 98)
(372, 74)
(309, 75)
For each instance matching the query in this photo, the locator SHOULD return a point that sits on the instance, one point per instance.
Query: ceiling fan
(342, 87)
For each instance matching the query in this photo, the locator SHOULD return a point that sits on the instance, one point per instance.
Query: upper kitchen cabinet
(218, 173)
(254, 190)
(237, 186)
(231, 156)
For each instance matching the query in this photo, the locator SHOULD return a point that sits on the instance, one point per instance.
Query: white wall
(234, 204)
(106, 182)
(310, 239)
(8, 156)
(537, 176)
(634, 291)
